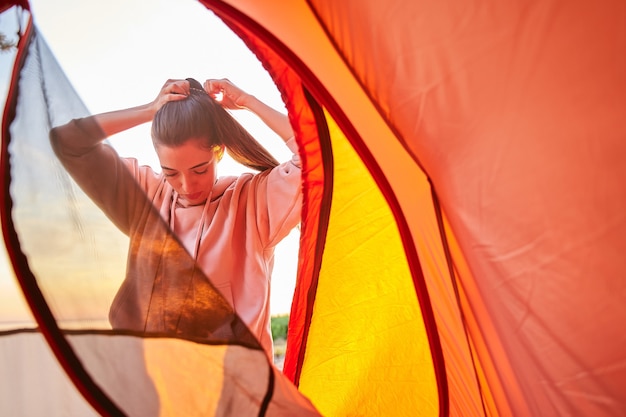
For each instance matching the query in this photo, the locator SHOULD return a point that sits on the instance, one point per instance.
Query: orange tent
(463, 223)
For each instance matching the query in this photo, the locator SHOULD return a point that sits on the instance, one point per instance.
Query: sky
(118, 54)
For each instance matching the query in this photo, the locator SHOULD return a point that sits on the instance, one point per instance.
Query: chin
(195, 200)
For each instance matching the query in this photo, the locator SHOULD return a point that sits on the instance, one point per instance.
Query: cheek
(206, 181)
(210, 176)
(203, 182)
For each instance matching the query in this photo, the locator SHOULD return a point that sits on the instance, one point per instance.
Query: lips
(191, 197)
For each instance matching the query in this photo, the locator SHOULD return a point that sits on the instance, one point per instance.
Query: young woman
(201, 246)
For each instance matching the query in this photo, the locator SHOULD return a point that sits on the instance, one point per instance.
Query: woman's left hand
(232, 96)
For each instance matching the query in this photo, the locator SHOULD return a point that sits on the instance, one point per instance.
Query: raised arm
(120, 120)
(116, 121)
(236, 98)
(109, 180)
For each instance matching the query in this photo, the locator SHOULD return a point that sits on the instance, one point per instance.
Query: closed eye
(201, 172)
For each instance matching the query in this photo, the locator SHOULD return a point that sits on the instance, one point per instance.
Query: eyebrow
(189, 169)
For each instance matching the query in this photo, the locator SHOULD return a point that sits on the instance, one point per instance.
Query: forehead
(186, 156)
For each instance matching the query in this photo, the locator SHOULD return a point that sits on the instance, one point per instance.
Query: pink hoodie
(232, 237)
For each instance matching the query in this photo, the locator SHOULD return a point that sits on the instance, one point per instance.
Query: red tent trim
(455, 286)
(6, 4)
(294, 366)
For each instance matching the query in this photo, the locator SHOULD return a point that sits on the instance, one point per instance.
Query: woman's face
(190, 169)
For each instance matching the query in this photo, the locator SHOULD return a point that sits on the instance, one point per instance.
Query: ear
(219, 152)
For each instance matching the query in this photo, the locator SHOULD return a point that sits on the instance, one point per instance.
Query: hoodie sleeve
(278, 199)
(96, 167)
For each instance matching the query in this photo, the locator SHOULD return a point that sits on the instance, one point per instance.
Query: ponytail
(201, 116)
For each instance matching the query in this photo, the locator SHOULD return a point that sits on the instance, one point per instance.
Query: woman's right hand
(172, 90)
(119, 120)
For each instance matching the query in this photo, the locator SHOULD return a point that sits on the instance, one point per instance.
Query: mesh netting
(204, 362)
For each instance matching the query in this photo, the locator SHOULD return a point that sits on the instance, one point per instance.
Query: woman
(201, 246)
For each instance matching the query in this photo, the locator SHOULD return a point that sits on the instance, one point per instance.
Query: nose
(186, 184)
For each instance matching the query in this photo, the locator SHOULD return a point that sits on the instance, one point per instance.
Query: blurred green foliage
(279, 326)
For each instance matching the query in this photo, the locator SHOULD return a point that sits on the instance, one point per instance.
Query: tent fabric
(518, 132)
(463, 220)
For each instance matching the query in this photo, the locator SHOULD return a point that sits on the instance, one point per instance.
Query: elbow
(63, 142)
(53, 136)
(68, 140)
(56, 140)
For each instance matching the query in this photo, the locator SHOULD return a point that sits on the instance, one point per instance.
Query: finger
(212, 86)
(181, 87)
(173, 86)
(175, 90)
(214, 89)
(176, 96)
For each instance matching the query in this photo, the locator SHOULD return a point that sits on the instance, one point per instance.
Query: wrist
(246, 101)
(148, 111)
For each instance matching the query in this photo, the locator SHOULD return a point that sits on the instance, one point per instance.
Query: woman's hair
(201, 116)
